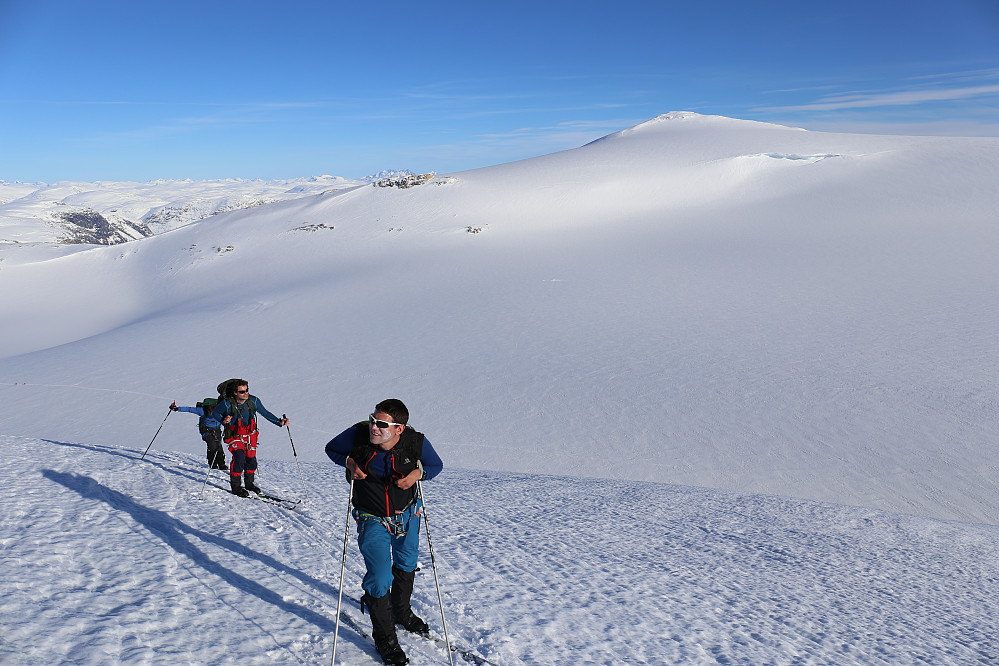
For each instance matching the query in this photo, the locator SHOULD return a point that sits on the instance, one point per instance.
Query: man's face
(384, 437)
(242, 393)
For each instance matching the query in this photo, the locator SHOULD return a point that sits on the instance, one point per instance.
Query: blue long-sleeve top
(207, 420)
(340, 447)
(223, 410)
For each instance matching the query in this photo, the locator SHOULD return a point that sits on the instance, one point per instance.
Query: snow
(707, 391)
(29, 211)
(110, 559)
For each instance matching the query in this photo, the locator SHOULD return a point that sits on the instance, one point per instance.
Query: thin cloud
(902, 98)
(959, 127)
(966, 75)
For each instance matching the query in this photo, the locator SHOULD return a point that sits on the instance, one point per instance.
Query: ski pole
(202, 496)
(433, 565)
(157, 433)
(295, 453)
(343, 564)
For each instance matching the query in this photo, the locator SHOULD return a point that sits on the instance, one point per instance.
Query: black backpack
(227, 388)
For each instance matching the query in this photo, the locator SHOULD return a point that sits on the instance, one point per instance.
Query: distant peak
(676, 115)
(696, 119)
(665, 117)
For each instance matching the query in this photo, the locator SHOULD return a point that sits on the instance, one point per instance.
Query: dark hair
(231, 385)
(394, 408)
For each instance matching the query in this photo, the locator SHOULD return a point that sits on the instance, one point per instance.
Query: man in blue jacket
(237, 412)
(211, 432)
(385, 458)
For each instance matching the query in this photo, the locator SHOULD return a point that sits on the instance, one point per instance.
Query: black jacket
(377, 494)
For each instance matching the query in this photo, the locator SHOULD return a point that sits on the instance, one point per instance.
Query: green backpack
(225, 390)
(208, 405)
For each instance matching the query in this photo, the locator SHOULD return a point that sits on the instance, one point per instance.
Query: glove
(173, 406)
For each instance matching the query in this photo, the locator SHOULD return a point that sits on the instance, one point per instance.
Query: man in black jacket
(386, 459)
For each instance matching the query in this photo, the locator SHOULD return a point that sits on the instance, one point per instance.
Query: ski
(349, 621)
(467, 655)
(284, 505)
(277, 501)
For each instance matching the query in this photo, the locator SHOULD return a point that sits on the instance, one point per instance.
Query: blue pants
(241, 462)
(382, 551)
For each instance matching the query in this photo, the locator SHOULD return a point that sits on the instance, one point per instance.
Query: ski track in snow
(111, 560)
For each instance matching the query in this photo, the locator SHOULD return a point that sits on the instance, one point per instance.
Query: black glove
(173, 406)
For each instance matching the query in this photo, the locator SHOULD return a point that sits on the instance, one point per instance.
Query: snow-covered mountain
(695, 300)
(107, 213)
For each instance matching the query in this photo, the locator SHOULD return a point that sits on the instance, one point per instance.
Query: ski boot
(237, 489)
(249, 483)
(383, 629)
(402, 592)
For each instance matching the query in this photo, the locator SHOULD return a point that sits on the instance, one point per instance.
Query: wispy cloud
(961, 127)
(896, 98)
(966, 76)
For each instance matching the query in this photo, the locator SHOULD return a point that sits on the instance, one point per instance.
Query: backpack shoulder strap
(413, 440)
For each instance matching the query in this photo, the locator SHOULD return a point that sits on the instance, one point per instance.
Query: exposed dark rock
(403, 182)
(89, 226)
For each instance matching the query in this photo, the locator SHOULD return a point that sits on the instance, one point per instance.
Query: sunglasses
(381, 425)
(246, 391)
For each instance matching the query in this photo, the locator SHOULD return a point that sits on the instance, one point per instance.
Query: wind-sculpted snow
(109, 559)
(797, 158)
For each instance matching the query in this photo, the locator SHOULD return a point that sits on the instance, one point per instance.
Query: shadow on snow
(176, 534)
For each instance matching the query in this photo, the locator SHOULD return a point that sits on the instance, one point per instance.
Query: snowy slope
(43, 212)
(112, 560)
(696, 300)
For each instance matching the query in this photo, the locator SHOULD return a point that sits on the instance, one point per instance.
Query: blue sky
(114, 90)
